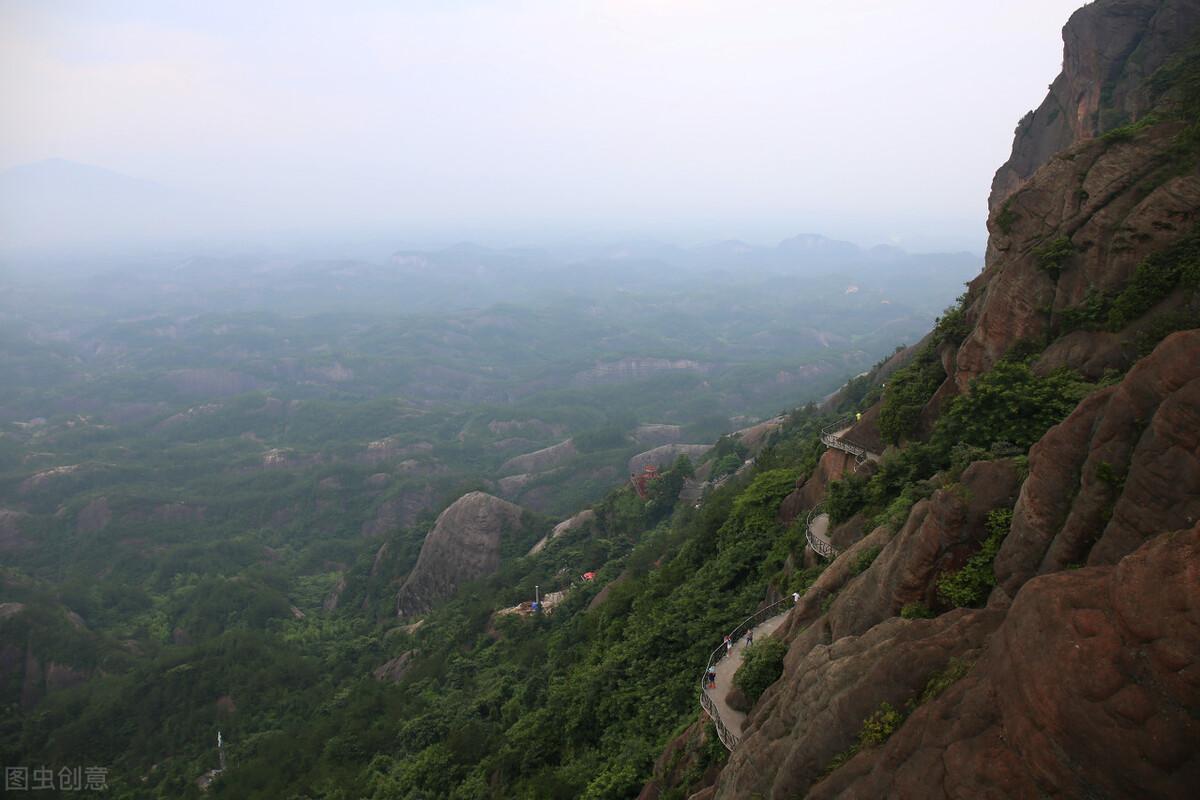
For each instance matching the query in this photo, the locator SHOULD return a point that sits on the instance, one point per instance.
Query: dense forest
(207, 511)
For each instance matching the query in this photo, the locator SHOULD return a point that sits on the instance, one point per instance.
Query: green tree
(762, 664)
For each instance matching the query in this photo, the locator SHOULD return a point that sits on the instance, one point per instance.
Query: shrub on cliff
(761, 666)
(906, 395)
(970, 585)
(1010, 404)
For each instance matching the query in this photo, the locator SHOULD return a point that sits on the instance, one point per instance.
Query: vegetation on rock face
(879, 726)
(942, 680)
(1009, 404)
(1052, 255)
(970, 585)
(844, 497)
(911, 387)
(1127, 132)
(907, 393)
(762, 664)
(876, 729)
(1006, 410)
(700, 757)
(1157, 276)
(916, 610)
(1006, 218)
(952, 326)
(864, 560)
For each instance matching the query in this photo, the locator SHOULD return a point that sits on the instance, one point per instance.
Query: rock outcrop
(566, 526)
(541, 460)
(683, 756)
(832, 466)
(755, 437)
(1122, 468)
(1088, 689)
(1110, 49)
(812, 721)
(1101, 201)
(93, 517)
(654, 434)
(1081, 676)
(10, 530)
(394, 670)
(665, 455)
(464, 545)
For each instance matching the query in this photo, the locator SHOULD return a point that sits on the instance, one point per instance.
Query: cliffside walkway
(727, 721)
(816, 530)
(834, 436)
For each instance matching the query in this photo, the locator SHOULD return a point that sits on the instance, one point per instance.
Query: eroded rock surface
(395, 669)
(541, 460)
(832, 466)
(1124, 466)
(1109, 52)
(463, 545)
(1089, 688)
(665, 455)
(800, 726)
(566, 526)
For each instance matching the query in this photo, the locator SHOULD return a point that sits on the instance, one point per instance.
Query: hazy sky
(690, 119)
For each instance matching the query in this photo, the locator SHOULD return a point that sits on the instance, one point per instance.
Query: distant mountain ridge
(70, 203)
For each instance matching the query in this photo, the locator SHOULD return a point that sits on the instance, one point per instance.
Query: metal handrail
(829, 439)
(728, 737)
(837, 425)
(820, 547)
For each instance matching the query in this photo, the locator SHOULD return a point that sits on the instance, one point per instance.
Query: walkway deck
(818, 534)
(833, 436)
(730, 722)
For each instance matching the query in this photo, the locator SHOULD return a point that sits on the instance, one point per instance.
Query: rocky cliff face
(1110, 50)
(1087, 689)
(463, 545)
(1108, 202)
(1081, 675)
(1094, 625)
(1108, 205)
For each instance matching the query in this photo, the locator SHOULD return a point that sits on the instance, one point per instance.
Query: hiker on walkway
(728, 644)
(795, 597)
(749, 638)
(710, 679)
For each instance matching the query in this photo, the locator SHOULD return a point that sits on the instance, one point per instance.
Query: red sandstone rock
(1091, 687)
(1122, 467)
(831, 467)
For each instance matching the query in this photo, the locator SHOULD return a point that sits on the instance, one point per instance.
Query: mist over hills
(59, 208)
(56, 204)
